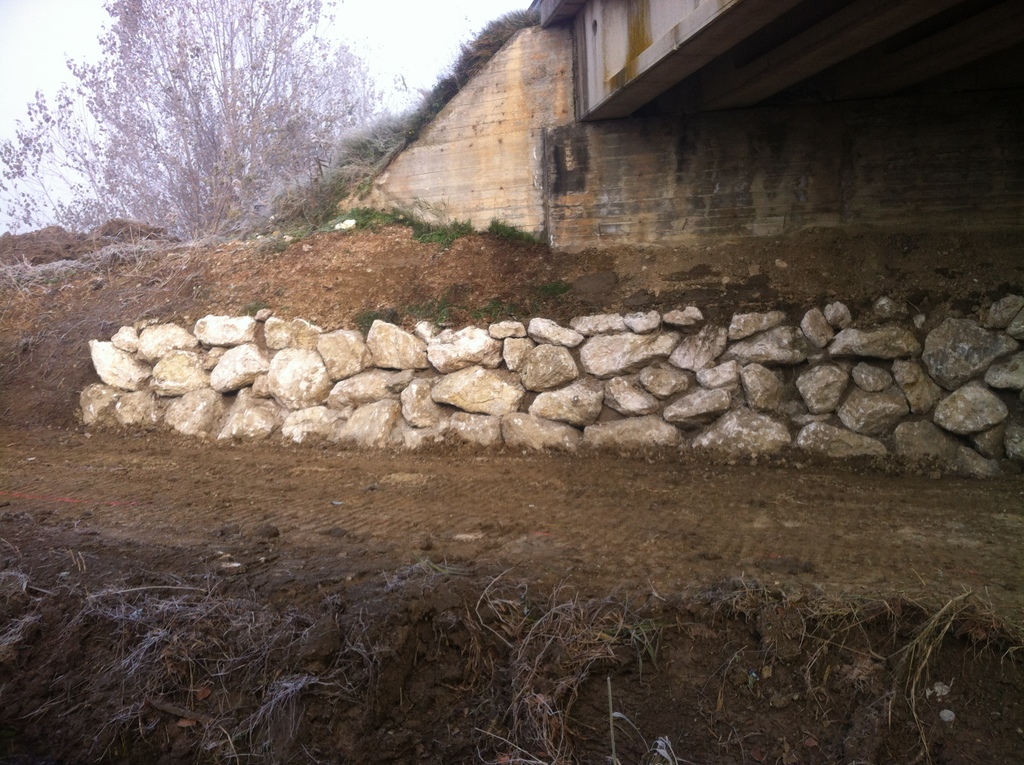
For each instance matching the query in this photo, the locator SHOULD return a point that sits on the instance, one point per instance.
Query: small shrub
(443, 235)
(254, 307)
(552, 290)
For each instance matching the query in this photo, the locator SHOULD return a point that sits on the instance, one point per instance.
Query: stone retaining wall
(947, 389)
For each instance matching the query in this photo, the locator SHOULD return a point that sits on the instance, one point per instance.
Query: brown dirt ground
(164, 600)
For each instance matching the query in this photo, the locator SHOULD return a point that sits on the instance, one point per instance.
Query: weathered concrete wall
(482, 157)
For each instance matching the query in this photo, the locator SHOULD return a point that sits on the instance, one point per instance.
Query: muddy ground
(164, 600)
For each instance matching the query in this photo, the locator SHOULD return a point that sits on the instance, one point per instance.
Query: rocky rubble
(945, 390)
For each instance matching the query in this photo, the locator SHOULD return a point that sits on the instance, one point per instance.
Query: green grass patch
(505, 231)
(497, 310)
(552, 290)
(366, 319)
(254, 307)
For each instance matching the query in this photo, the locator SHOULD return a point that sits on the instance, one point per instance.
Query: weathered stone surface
(747, 324)
(662, 380)
(632, 433)
(838, 315)
(405, 435)
(126, 339)
(688, 317)
(291, 333)
(116, 367)
(742, 431)
(344, 353)
(1013, 441)
(139, 409)
(479, 429)
(480, 391)
(871, 378)
(238, 368)
(515, 351)
(394, 348)
(160, 339)
(643, 322)
(548, 367)
(971, 464)
(531, 432)
(251, 418)
(989, 443)
(547, 331)
(822, 387)
(261, 386)
(696, 352)
(198, 413)
(425, 330)
(816, 328)
(263, 314)
(697, 408)
(1004, 311)
(98, 402)
(1016, 328)
(762, 386)
(626, 396)
(418, 408)
(958, 350)
(179, 372)
(886, 308)
(370, 425)
(225, 330)
(212, 357)
(720, 376)
(613, 355)
(923, 440)
(970, 409)
(599, 324)
(471, 346)
(368, 387)
(890, 342)
(830, 441)
(577, 404)
(921, 391)
(873, 413)
(298, 378)
(317, 423)
(504, 329)
(781, 345)
(1008, 374)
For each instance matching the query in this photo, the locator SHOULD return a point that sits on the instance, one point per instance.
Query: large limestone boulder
(418, 408)
(317, 423)
(688, 317)
(614, 355)
(548, 367)
(178, 373)
(816, 328)
(198, 413)
(477, 429)
(504, 329)
(394, 348)
(291, 333)
(547, 331)
(577, 404)
(742, 431)
(632, 433)
(695, 352)
(973, 465)
(747, 324)
(871, 378)
(344, 353)
(725, 375)
(531, 432)
(626, 396)
(781, 345)
(822, 387)
(1013, 441)
(599, 324)
(160, 339)
(1016, 328)
(238, 368)
(662, 380)
(762, 386)
(829, 441)
(139, 409)
(298, 378)
(889, 342)
(126, 339)
(924, 441)
(1009, 374)
(480, 391)
(118, 368)
(98, 402)
(515, 352)
(367, 387)
(698, 408)
(873, 413)
(226, 331)
(958, 350)
(1002, 312)
(251, 418)
(921, 391)
(452, 351)
(642, 322)
(370, 426)
(838, 315)
(970, 409)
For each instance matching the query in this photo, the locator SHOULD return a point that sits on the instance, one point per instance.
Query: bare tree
(196, 113)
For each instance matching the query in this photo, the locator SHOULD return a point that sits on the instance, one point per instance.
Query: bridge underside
(688, 56)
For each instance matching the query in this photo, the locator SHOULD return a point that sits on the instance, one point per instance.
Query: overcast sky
(408, 41)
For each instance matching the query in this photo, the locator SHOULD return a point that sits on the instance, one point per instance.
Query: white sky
(401, 40)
